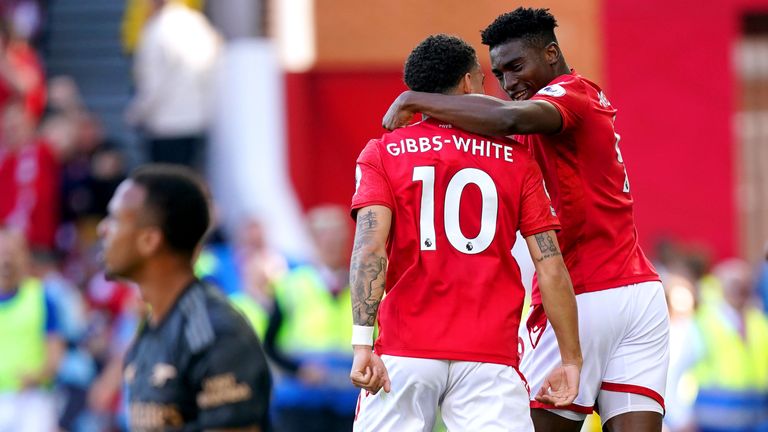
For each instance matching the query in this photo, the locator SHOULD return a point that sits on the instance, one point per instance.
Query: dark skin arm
(476, 113)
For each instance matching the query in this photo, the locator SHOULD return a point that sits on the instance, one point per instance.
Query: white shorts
(624, 336)
(472, 397)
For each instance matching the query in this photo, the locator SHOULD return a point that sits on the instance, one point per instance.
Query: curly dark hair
(438, 63)
(178, 201)
(535, 26)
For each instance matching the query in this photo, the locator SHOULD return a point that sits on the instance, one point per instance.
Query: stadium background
(302, 85)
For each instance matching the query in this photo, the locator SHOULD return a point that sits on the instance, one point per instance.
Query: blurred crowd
(718, 375)
(64, 328)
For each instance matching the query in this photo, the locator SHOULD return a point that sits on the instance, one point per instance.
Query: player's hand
(561, 386)
(397, 115)
(368, 371)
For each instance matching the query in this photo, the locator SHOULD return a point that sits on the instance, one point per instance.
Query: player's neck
(162, 284)
(561, 68)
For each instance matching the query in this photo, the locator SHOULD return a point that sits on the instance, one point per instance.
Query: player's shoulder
(208, 317)
(571, 84)
(371, 151)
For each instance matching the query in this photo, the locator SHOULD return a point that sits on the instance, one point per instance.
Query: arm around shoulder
(477, 113)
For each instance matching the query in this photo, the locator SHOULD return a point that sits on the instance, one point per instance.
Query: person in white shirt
(174, 69)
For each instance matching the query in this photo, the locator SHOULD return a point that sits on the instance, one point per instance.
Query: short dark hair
(438, 63)
(178, 201)
(535, 26)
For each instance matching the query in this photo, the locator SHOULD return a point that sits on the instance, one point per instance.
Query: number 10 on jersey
(451, 204)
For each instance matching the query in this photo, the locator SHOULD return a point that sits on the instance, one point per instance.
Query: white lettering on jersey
(477, 147)
(555, 90)
(452, 202)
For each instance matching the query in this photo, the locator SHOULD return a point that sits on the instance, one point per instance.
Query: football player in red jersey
(437, 212)
(568, 124)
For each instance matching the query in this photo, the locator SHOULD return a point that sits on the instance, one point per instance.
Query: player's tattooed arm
(556, 294)
(368, 266)
(546, 245)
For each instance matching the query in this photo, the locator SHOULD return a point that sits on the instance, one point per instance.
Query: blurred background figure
(762, 281)
(309, 333)
(135, 16)
(173, 71)
(29, 179)
(77, 368)
(31, 342)
(260, 268)
(21, 71)
(115, 310)
(726, 350)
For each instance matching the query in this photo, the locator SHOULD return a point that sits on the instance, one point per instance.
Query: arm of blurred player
(562, 385)
(367, 277)
(477, 113)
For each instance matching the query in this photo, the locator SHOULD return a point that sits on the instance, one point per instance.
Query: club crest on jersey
(555, 90)
(162, 373)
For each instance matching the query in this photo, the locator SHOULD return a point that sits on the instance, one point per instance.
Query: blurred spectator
(21, 73)
(260, 268)
(174, 67)
(77, 368)
(64, 95)
(216, 263)
(31, 345)
(135, 16)
(115, 311)
(309, 333)
(727, 350)
(59, 126)
(25, 16)
(90, 173)
(762, 281)
(28, 179)
(91, 168)
(681, 299)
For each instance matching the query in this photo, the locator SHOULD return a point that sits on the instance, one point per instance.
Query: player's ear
(466, 84)
(149, 240)
(552, 53)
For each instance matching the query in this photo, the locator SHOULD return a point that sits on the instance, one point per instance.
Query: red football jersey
(587, 181)
(29, 201)
(453, 288)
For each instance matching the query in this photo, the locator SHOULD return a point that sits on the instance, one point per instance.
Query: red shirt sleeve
(569, 98)
(371, 184)
(536, 212)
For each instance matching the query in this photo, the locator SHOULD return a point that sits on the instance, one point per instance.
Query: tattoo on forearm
(546, 246)
(368, 220)
(367, 272)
